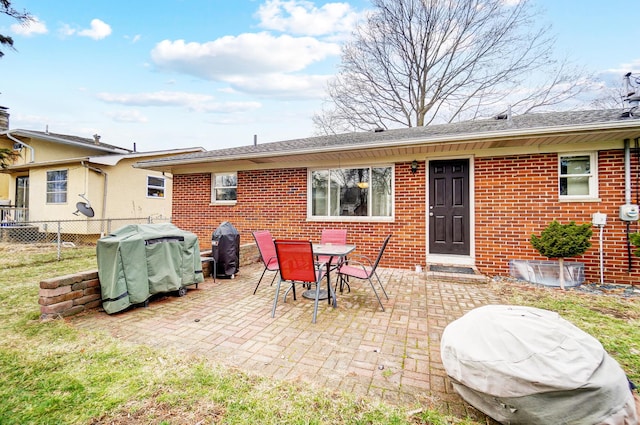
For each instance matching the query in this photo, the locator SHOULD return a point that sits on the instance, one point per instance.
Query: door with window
(22, 199)
(449, 208)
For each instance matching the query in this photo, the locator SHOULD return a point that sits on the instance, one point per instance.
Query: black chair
(361, 267)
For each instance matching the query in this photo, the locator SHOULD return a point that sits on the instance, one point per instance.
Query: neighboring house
(468, 193)
(55, 172)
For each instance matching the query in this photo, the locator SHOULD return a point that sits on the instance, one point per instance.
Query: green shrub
(563, 241)
(635, 241)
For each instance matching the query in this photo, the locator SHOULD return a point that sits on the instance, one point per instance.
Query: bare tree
(23, 17)
(415, 61)
(7, 156)
(610, 97)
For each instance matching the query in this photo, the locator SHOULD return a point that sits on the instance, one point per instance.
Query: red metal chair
(267, 249)
(361, 267)
(297, 265)
(336, 236)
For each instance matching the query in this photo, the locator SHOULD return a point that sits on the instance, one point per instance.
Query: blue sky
(185, 73)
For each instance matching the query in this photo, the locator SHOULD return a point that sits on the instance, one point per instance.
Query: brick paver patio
(393, 355)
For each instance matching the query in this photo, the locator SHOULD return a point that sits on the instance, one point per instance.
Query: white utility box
(629, 212)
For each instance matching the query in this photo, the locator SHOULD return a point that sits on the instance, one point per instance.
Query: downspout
(104, 193)
(628, 183)
(33, 155)
(627, 197)
(627, 172)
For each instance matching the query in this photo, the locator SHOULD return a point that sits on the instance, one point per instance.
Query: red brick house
(468, 193)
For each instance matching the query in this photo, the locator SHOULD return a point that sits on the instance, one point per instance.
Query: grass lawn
(53, 373)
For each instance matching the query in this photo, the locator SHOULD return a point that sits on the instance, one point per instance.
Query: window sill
(580, 199)
(220, 203)
(352, 219)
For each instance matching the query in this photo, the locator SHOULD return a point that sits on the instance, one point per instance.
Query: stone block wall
(68, 295)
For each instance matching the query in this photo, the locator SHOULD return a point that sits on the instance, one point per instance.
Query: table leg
(331, 294)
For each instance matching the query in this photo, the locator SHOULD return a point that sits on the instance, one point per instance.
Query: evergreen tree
(563, 241)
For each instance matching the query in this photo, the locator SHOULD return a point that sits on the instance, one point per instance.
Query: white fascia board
(444, 139)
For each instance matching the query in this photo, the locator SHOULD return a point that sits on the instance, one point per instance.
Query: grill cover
(524, 365)
(140, 260)
(225, 250)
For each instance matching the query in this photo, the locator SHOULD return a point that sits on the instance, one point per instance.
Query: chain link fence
(64, 234)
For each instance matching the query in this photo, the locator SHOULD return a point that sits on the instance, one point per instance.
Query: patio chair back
(380, 253)
(296, 261)
(366, 270)
(297, 265)
(335, 236)
(267, 249)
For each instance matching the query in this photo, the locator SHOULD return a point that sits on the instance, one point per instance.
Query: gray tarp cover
(140, 260)
(523, 365)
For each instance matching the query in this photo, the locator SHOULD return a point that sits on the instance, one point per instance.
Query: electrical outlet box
(599, 219)
(629, 212)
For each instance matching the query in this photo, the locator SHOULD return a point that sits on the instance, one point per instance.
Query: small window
(57, 187)
(225, 186)
(577, 176)
(155, 187)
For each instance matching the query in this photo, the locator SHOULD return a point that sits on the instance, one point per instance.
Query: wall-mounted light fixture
(414, 166)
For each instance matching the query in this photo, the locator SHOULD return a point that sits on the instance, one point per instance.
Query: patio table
(331, 250)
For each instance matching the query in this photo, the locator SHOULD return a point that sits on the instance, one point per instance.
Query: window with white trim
(224, 187)
(577, 174)
(351, 192)
(155, 187)
(57, 186)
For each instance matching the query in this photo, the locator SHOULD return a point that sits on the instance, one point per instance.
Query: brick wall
(276, 200)
(515, 196)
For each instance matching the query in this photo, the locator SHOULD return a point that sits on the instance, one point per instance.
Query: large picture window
(577, 176)
(225, 186)
(155, 187)
(351, 192)
(57, 187)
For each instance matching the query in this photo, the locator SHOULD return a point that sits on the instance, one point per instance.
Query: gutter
(33, 154)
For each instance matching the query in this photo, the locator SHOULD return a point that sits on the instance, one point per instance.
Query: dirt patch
(36, 248)
(155, 412)
(509, 289)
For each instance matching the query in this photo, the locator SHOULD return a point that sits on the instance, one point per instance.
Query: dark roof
(528, 123)
(66, 138)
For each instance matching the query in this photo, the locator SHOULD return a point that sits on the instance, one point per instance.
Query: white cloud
(127, 116)
(231, 107)
(623, 68)
(98, 30)
(133, 39)
(32, 27)
(257, 63)
(192, 101)
(304, 18)
(284, 86)
(66, 30)
(161, 98)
